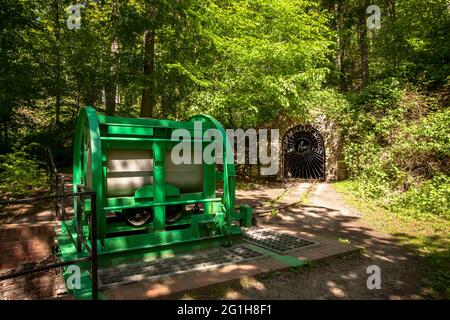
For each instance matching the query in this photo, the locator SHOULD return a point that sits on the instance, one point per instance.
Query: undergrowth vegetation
(397, 148)
(21, 174)
(397, 153)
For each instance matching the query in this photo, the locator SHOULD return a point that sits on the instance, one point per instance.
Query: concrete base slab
(161, 288)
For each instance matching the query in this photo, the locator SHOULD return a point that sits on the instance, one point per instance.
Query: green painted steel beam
(127, 139)
(159, 204)
(159, 182)
(143, 122)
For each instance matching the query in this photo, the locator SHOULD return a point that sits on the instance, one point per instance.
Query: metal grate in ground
(275, 241)
(212, 258)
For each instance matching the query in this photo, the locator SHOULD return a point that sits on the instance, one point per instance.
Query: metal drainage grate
(212, 258)
(275, 241)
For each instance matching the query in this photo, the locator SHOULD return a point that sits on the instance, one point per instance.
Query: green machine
(146, 204)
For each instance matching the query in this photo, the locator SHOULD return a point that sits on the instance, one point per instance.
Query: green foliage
(246, 62)
(432, 197)
(366, 124)
(16, 58)
(399, 161)
(21, 175)
(268, 57)
(411, 41)
(379, 95)
(433, 134)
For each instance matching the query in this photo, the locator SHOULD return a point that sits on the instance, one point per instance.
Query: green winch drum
(146, 205)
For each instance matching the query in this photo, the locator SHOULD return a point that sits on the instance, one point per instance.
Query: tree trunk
(392, 14)
(337, 8)
(5, 134)
(110, 97)
(148, 92)
(111, 86)
(392, 10)
(58, 66)
(363, 44)
(346, 63)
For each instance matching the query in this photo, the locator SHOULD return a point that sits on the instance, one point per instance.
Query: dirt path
(326, 215)
(39, 211)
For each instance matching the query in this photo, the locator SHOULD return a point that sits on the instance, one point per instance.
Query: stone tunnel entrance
(303, 153)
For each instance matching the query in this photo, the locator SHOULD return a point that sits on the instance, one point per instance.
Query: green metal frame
(218, 224)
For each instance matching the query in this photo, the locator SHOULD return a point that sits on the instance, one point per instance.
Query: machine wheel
(173, 213)
(137, 217)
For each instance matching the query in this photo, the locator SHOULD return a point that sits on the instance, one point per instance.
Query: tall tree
(111, 71)
(58, 61)
(363, 44)
(18, 85)
(148, 92)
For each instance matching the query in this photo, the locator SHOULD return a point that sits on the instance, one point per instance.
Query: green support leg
(246, 214)
(159, 184)
(209, 186)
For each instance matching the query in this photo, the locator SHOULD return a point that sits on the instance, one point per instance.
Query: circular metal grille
(304, 153)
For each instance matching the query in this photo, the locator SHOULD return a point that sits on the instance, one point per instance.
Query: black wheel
(137, 217)
(254, 222)
(173, 213)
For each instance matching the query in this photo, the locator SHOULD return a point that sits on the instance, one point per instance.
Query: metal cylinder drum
(128, 170)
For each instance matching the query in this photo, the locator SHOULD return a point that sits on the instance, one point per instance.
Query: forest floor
(325, 212)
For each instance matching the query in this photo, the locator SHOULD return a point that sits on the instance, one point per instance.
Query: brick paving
(22, 243)
(22, 246)
(42, 285)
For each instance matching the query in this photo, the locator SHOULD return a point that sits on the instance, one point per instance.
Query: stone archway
(303, 153)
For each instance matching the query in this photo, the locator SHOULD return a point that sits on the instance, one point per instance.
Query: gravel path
(326, 215)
